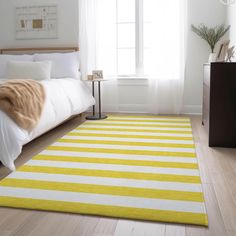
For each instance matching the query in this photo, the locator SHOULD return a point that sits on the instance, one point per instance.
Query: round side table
(95, 116)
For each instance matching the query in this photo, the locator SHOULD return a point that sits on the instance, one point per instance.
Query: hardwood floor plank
(136, 228)
(6, 213)
(231, 233)
(5, 233)
(52, 224)
(225, 201)
(86, 226)
(195, 231)
(30, 224)
(204, 172)
(227, 159)
(13, 221)
(105, 227)
(216, 223)
(175, 230)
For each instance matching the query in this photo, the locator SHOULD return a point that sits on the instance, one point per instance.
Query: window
(139, 38)
(126, 43)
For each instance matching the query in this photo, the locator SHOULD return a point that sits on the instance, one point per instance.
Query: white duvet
(64, 98)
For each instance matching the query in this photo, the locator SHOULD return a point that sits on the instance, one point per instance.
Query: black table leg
(94, 97)
(99, 116)
(99, 100)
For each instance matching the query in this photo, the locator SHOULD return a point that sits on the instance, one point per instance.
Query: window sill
(131, 78)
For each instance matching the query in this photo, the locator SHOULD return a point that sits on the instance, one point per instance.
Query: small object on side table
(98, 74)
(98, 116)
(90, 77)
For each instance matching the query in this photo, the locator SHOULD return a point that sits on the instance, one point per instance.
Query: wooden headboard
(37, 50)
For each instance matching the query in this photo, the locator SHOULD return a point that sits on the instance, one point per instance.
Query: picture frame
(223, 51)
(98, 74)
(36, 22)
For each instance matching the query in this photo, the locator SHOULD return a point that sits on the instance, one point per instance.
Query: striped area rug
(138, 167)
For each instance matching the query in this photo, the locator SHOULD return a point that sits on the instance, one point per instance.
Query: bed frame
(38, 50)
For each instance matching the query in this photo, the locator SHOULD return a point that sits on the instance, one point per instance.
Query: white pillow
(5, 58)
(29, 70)
(63, 64)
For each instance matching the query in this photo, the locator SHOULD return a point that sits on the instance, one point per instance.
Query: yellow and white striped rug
(138, 167)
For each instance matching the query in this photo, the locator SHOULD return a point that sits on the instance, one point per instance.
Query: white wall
(132, 94)
(67, 23)
(211, 13)
(231, 19)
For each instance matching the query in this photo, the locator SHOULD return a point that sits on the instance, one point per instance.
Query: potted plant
(211, 35)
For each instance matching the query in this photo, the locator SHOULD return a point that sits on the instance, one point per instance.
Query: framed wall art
(36, 22)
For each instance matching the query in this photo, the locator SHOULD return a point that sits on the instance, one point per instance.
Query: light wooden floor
(218, 172)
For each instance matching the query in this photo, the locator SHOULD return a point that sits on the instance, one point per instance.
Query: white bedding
(64, 98)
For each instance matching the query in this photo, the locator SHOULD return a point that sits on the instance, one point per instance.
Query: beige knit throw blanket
(23, 101)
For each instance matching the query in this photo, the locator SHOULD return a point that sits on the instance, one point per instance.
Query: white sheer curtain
(167, 69)
(163, 49)
(97, 33)
(87, 36)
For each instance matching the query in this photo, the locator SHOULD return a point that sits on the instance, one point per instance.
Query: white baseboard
(142, 108)
(192, 110)
(126, 108)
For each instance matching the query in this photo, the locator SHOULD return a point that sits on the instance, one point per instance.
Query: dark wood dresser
(219, 103)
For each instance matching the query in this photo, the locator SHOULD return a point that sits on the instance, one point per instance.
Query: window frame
(139, 44)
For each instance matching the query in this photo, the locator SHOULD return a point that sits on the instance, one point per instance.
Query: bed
(65, 97)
